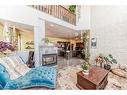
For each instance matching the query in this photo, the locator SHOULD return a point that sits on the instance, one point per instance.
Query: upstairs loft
(57, 11)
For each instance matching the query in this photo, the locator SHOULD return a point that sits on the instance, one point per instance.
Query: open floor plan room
(63, 47)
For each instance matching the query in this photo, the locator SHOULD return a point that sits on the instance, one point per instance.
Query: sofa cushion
(18, 65)
(4, 76)
(22, 69)
(10, 69)
(13, 61)
(119, 72)
(23, 55)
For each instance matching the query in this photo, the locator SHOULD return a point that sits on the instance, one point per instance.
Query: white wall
(83, 23)
(28, 15)
(19, 14)
(109, 26)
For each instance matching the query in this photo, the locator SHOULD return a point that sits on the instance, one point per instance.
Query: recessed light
(52, 25)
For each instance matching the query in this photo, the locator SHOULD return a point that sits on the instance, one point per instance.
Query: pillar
(39, 34)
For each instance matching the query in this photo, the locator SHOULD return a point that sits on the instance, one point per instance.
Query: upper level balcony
(57, 11)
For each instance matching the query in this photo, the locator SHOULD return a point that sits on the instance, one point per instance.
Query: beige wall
(109, 26)
(26, 37)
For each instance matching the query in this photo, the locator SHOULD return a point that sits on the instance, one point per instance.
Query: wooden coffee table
(97, 79)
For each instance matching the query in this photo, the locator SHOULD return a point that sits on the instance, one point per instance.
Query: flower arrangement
(5, 46)
(99, 60)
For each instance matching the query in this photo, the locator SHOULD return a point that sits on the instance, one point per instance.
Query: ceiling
(17, 25)
(55, 30)
(52, 30)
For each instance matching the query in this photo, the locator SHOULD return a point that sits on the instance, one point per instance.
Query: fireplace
(48, 59)
(48, 55)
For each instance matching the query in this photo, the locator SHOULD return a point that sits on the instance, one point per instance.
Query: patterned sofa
(25, 77)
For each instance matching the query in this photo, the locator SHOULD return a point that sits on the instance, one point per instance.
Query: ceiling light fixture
(52, 25)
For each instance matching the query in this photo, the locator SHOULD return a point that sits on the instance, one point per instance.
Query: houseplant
(72, 8)
(46, 42)
(85, 68)
(109, 60)
(85, 50)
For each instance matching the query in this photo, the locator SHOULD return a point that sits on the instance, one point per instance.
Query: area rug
(66, 79)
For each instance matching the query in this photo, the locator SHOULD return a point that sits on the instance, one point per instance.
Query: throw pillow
(19, 59)
(10, 69)
(22, 69)
(19, 65)
(13, 61)
(119, 72)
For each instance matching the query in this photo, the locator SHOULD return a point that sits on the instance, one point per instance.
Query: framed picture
(94, 43)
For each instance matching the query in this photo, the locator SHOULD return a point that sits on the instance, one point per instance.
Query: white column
(39, 34)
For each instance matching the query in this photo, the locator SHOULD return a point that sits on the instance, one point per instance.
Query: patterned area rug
(66, 79)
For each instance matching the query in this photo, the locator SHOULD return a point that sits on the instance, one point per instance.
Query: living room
(104, 42)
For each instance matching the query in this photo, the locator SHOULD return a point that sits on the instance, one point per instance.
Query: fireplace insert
(49, 59)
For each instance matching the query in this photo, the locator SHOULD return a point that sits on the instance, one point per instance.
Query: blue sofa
(37, 77)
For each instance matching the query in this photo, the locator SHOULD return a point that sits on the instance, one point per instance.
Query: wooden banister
(57, 11)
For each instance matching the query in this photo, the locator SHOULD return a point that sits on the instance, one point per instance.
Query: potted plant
(109, 60)
(45, 41)
(72, 8)
(85, 68)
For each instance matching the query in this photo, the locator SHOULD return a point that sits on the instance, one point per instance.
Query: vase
(107, 66)
(85, 72)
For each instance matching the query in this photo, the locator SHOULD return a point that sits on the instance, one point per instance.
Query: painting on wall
(93, 43)
(30, 45)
